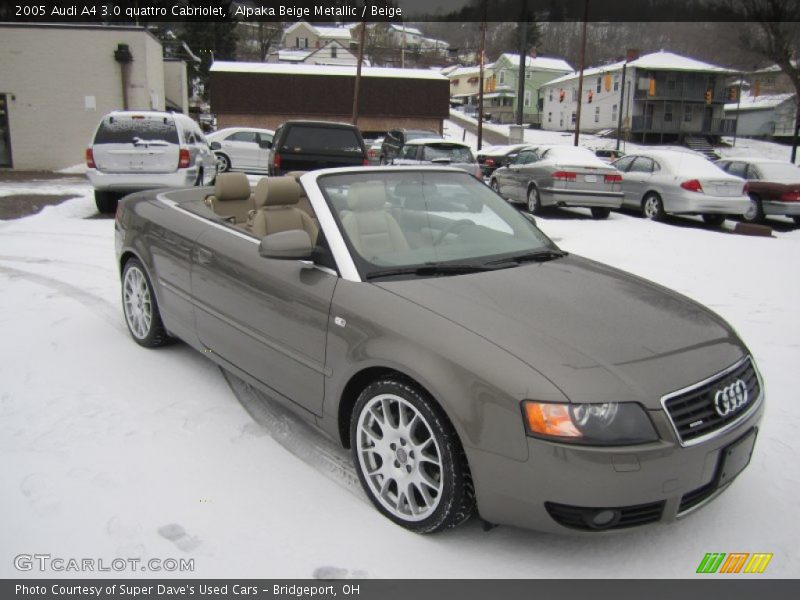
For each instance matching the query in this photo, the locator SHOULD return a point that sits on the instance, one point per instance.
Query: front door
(5, 134)
(267, 317)
(708, 114)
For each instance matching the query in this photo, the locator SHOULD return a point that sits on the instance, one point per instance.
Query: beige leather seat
(371, 228)
(276, 209)
(304, 203)
(232, 197)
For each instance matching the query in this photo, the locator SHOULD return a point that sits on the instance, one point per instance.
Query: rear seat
(232, 198)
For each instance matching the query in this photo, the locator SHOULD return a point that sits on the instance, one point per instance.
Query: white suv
(142, 150)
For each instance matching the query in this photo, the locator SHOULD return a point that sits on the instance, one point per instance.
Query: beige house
(330, 53)
(302, 35)
(58, 81)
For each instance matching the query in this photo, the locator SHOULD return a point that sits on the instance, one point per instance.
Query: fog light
(604, 519)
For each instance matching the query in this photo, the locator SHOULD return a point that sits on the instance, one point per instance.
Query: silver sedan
(545, 176)
(675, 182)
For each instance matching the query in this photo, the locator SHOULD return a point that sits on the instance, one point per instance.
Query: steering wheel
(451, 228)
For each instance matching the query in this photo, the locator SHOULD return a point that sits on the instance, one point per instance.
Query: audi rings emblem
(730, 398)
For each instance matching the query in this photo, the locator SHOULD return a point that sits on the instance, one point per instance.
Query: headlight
(608, 424)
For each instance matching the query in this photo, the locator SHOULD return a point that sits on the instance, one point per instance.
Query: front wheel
(140, 306)
(714, 220)
(409, 459)
(653, 207)
(600, 212)
(223, 163)
(534, 201)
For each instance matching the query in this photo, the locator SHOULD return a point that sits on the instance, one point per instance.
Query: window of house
(573, 117)
(687, 113)
(549, 117)
(596, 114)
(614, 113)
(454, 82)
(527, 100)
(668, 113)
(561, 121)
(527, 74)
(616, 83)
(550, 95)
(333, 51)
(502, 77)
(574, 94)
(671, 84)
(599, 84)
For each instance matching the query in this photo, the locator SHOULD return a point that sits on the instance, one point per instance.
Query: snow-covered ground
(109, 450)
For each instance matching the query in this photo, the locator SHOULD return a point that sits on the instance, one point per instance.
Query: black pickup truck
(310, 145)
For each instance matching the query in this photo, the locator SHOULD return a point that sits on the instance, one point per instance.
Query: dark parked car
(396, 138)
(774, 186)
(310, 145)
(468, 363)
(494, 157)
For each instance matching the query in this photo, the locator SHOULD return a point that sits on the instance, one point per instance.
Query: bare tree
(776, 37)
(258, 39)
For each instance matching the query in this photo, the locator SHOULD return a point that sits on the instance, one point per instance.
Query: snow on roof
(462, 71)
(657, 61)
(333, 32)
(302, 69)
(761, 102)
(293, 55)
(542, 63)
(406, 28)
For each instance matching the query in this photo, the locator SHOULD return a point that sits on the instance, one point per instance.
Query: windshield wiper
(433, 269)
(535, 256)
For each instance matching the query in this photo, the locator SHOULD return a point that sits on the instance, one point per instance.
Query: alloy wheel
(137, 302)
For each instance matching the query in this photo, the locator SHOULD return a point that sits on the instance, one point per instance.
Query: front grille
(693, 412)
(580, 517)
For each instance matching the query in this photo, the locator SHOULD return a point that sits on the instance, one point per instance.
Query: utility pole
(621, 102)
(361, 36)
(480, 78)
(523, 59)
(580, 78)
(738, 106)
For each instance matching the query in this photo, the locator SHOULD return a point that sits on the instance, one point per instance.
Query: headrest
(231, 186)
(369, 195)
(277, 191)
(295, 174)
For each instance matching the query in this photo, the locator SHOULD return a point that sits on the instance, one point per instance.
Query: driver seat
(372, 230)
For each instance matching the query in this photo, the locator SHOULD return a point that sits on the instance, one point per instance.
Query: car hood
(599, 334)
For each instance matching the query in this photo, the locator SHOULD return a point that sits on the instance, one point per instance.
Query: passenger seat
(232, 198)
(371, 228)
(276, 209)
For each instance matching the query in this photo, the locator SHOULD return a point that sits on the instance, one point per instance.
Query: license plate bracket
(735, 457)
(590, 178)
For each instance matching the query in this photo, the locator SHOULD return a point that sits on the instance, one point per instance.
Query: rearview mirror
(286, 245)
(215, 145)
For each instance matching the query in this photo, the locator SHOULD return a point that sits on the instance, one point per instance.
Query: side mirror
(286, 245)
(215, 145)
(265, 144)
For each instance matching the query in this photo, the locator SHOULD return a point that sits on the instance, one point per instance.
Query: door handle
(204, 257)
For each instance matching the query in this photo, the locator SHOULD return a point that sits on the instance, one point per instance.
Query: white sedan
(241, 148)
(658, 182)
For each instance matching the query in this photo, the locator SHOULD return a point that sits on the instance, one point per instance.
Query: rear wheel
(494, 185)
(755, 212)
(714, 220)
(106, 201)
(409, 459)
(534, 201)
(600, 212)
(796, 220)
(653, 207)
(140, 307)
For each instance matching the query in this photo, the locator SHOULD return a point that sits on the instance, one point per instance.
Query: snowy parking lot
(110, 450)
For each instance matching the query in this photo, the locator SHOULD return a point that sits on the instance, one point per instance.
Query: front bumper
(135, 182)
(773, 207)
(657, 482)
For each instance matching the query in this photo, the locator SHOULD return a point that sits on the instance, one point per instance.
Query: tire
(653, 207)
(600, 212)
(106, 201)
(199, 181)
(438, 491)
(796, 220)
(714, 220)
(534, 201)
(140, 307)
(223, 163)
(382, 160)
(495, 186)
(755, 213)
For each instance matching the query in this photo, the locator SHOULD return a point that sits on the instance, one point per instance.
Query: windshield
(394, 219)
(414, 135)
(452, 153)
(779, 172)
